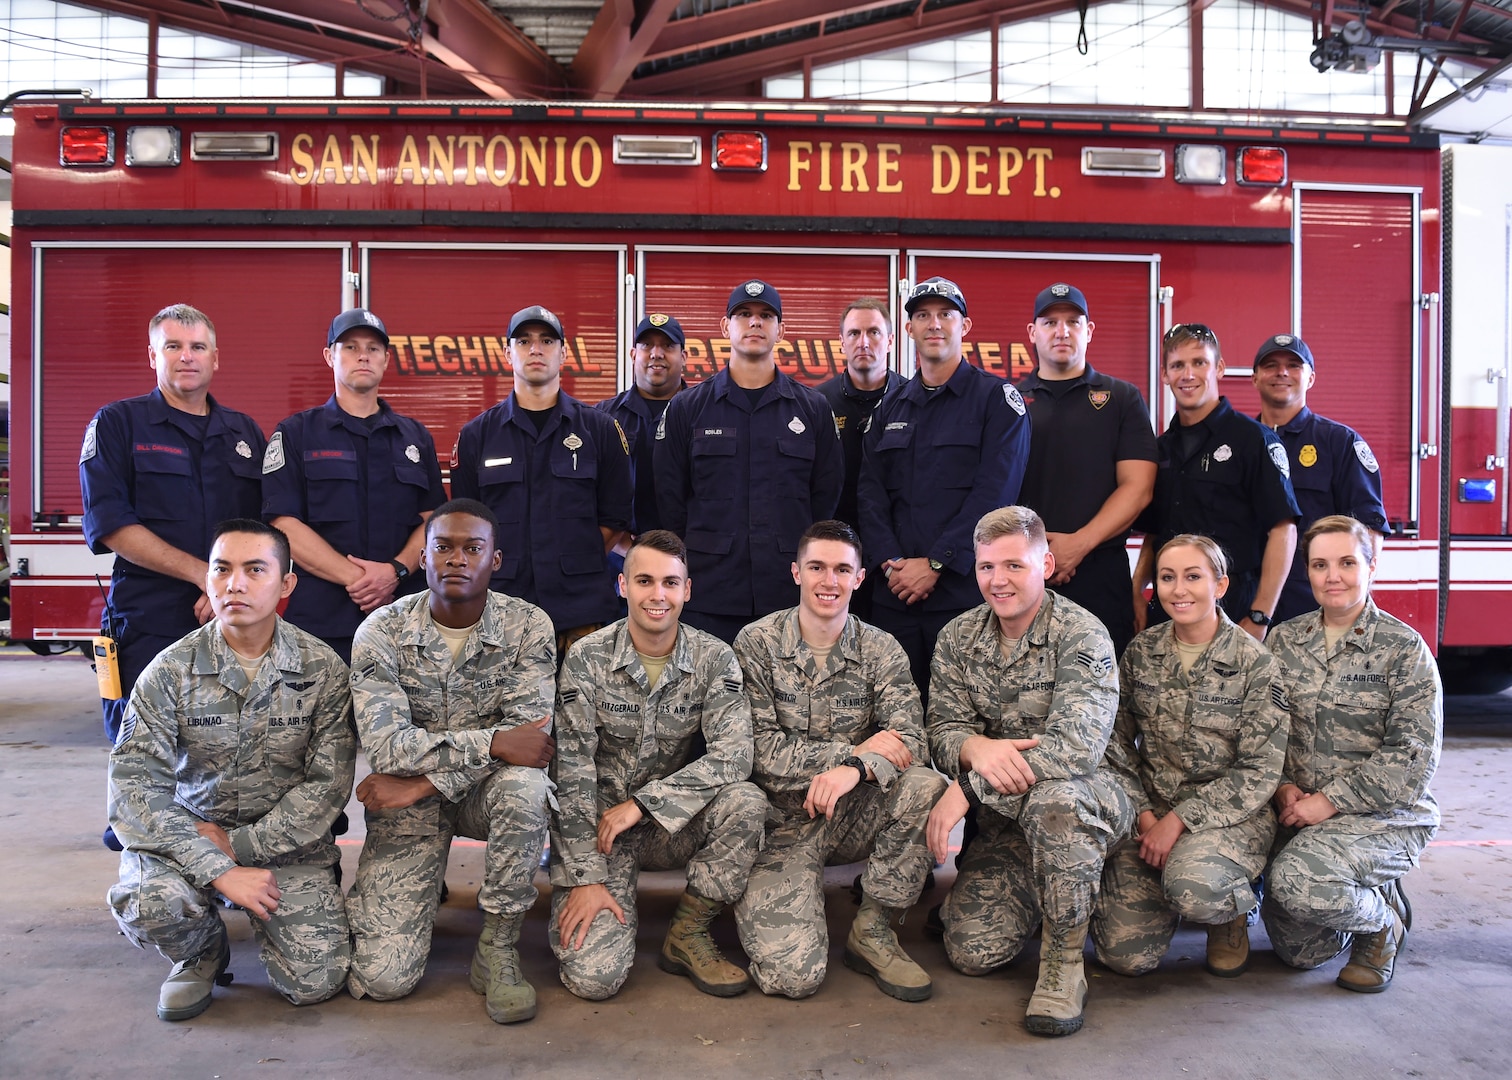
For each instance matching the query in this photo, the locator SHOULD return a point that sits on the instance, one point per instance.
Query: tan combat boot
(186, 992)
(496, 970)
(1228, 948)
(1061, 991)
(690, 951)
(1372, 957)
(872, 949)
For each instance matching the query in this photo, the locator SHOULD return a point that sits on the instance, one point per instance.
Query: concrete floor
(77, 1001)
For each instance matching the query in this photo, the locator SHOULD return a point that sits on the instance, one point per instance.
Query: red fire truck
(446, 217)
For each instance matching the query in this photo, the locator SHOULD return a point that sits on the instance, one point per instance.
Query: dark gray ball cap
(356, 319)
(535, 313)
(666, 324)
(943, 288)
(1060, 293)
(757, 292)
(1287, 343)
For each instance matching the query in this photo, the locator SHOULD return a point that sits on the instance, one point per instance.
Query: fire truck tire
(1477, 672)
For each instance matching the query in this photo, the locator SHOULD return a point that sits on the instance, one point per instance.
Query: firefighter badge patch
(273, 457)
(1099, 398)
(1367, 459)
(1014, 399)
(1307, 457)
(1278, 458)
(91, 442)
(413, 453)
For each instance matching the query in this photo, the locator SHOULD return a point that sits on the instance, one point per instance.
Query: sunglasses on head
(1192, 331)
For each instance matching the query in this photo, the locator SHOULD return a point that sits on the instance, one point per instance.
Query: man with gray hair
(1023, 693)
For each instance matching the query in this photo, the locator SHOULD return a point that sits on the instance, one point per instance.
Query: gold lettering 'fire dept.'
(564, 161)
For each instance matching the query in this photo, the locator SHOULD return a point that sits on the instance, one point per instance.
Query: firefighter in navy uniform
(1332, 469)
(351, 484)
(1221, 475)
(556, 472)
(1091, 461)
(866, 340)
(745, 461)
(158, 472)
(947, 449)
(657, 363)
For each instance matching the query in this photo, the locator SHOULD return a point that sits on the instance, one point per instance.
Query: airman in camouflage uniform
(812, 714)
(1023, 692)
(619, 739)
(217, 776)
(463, 739)
(1366, 731)
(1207, 745)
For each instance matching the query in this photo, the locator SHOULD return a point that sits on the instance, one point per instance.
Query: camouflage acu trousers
(1045, 856)
(781, 917)
(1206, 880)
(1323, 885)
(392, 905)
(305, 945)
(717, 846)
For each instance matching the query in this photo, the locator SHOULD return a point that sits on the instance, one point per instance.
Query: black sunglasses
(1192, 331)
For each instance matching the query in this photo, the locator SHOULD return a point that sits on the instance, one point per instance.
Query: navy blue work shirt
(146, 463)
(740, 485)
(1332, 472)
(934, 462)
(1233, 486)
(852, 409)
(551, 490)
(638, 418)
(361, 484)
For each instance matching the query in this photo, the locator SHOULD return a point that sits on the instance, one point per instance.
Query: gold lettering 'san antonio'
(451, 160)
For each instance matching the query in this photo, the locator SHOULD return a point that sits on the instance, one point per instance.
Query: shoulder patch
(1099, 666)
(1361, 448)
(1278, 458)
(273, 456)
(91, 444)
(1014, 398)
(1279, 698)
(624, 442)
(569, 696)
(733, 686)
(128, 725)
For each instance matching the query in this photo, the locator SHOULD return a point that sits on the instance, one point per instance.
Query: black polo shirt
(1234, 486)
(852, 409)
(1080, 430)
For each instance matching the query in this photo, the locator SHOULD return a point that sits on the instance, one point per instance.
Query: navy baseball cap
(1060, 293)
(535, 313)
(759, 292)
(944, 288)
(666, 324)
(1287, 343)
(354, 319)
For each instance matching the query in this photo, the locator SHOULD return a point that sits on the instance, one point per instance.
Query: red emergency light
(1261, 165)
(86, 146)
(740, 151)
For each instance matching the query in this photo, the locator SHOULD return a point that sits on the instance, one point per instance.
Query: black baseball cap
(755, 291)
(535, 313)
(354, 319)
(944, 288)
(664, 323)
(1288, 343)
(1060, 293)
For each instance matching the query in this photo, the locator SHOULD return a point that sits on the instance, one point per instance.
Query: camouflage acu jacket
(1367, 720)
(418, 714)
(670, 748)
(1207, 743)
(271, 761)
(807, 720)
(1059, 684)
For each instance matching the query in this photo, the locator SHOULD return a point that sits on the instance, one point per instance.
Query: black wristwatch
(400, 570)
(857, 764)
(1259, 618)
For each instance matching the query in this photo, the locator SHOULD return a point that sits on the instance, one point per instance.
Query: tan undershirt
(1007, 644)
(454, 637)
(249, 664)
(1332, 634)
(654, 666)
(1189, 654)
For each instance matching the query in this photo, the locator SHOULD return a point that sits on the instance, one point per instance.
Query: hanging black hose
(1081, 32)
